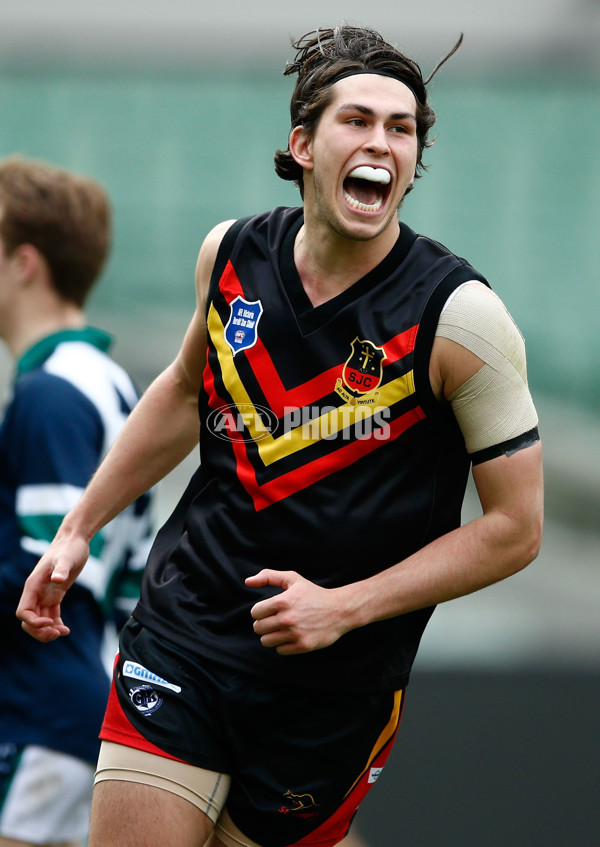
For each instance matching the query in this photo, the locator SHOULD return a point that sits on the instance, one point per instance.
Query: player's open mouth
(366, 189)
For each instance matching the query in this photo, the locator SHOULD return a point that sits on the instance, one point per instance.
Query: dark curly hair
(324, 56)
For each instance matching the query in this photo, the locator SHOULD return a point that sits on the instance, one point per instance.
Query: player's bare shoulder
(207, 257)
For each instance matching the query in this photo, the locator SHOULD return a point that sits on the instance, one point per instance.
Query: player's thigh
(127, 814)
(166, 801)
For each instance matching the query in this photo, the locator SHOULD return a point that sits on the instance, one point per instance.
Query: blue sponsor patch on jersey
(241, 330)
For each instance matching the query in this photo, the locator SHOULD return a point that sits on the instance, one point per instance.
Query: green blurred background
(178, 107)
(514, 185)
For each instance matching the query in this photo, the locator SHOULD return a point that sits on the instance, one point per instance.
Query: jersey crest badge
(241, 330)
(362, 373)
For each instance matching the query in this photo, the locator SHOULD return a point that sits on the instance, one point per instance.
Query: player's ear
(27, 261)
(301, 147)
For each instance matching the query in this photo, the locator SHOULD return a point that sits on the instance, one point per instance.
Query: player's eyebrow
(368, 112)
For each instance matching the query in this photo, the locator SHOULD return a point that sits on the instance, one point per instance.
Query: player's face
(362, 156)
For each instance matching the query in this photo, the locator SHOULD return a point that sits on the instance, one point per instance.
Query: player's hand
(302, 618)
(46, 586)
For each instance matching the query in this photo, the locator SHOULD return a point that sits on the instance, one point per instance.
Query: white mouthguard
(371, 174)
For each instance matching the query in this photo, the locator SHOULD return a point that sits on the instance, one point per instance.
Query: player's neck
(328, 263)
(37, 325)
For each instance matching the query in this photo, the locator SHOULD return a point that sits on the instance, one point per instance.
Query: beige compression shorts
(205, 789)
(493, 407)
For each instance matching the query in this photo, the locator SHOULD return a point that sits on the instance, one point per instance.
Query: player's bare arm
(144, 453)
(496, 545)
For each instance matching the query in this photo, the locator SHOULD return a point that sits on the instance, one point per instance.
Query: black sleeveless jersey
(323, 451)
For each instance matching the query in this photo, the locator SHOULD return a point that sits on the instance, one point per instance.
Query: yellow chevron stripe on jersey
(272, 449)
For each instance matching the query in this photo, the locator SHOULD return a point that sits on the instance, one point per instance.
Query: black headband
(379, 73)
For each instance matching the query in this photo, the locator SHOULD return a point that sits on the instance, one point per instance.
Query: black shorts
(300, 762)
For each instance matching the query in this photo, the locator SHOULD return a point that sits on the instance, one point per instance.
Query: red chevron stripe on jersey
(277, 395)
(264, 495)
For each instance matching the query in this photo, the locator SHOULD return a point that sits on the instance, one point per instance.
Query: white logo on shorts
(374, 774)
(132, 669)
(145, 699)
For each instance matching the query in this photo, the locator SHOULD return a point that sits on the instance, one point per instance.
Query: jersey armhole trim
(223, 254)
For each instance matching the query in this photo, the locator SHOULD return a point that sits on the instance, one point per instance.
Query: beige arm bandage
(494, 405)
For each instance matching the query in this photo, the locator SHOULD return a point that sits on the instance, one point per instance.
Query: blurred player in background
(349, 373)
(68, 401)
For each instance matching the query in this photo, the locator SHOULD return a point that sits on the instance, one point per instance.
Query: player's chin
(366, 228)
